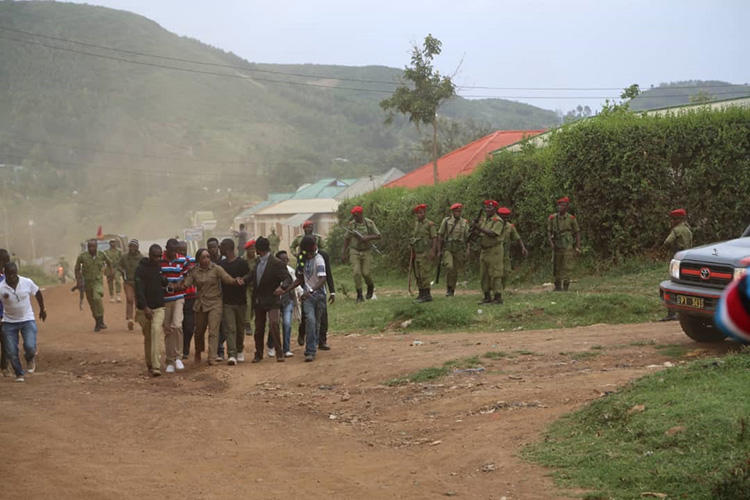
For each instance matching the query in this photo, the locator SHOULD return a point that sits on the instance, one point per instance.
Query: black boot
(487, 298)
(96, 324)
(359, 295)
(566, 284)
(101, 323)
(558, 288)
(370, 290)
(449, 292)
(498, 299)
(421, 294)
(426, 296)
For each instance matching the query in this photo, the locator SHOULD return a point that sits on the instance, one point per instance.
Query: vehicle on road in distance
(697, 278)
(102, 242)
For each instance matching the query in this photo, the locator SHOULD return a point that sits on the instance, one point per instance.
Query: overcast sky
(524, 44)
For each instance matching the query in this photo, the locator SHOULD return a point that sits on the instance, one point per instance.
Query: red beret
(357, 210)
(307, 223)
(491, 203)
(680, 212)
(503, 211)
(421, 206)
(564, 199)
(456, 205)
(250, 243)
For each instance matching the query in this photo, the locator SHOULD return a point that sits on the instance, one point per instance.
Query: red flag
(99, 233)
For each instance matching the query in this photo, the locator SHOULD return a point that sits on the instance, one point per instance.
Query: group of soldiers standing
(450, 244)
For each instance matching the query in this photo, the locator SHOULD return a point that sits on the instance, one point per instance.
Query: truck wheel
(700, 329)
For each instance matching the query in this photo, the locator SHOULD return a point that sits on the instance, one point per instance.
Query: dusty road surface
(92, 424)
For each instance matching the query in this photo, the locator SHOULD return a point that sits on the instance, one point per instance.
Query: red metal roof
(463, 160)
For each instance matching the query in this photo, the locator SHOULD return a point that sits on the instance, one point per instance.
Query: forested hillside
(687, 92)
(95, 135)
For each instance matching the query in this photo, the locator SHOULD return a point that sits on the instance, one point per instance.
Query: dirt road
(92, 424)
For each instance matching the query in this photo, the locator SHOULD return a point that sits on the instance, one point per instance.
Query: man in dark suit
(267, 275)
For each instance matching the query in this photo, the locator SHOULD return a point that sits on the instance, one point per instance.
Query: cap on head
(678, 212)
(456, 206)
(133, 242)
(357, 210)
(491, 203)
(421, 206)
(307, 223)
(564, 199)
(249, 244)
(503, 211)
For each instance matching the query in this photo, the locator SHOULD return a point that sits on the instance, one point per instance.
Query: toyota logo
(705, 273)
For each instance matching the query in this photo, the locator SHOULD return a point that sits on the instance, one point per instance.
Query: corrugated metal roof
(316, 206)
(296, 220)
(463, 160)
(272, 198)
(324, 188)
(370, 183)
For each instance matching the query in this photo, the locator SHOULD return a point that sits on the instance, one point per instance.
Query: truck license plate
(686, 300)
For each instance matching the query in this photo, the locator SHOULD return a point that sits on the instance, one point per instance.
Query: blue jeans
(10, 343)
(312, 310)
(286, 325)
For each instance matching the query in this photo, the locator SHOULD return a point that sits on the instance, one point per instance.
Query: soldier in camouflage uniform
(307, 230)
(453, 235)
(565, 239)
(680, 238)
(509, 236)
(491, 256)
(89, 267)
(111, 272)
(360, 232)
(424, 248)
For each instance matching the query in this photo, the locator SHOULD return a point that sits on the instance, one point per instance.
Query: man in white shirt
(18, 317)
(314, 294)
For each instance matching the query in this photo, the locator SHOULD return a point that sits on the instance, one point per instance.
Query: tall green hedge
(622, 171)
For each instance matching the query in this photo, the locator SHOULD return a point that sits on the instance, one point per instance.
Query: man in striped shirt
(173, 267)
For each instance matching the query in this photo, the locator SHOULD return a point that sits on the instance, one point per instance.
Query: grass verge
(612, 297)
(683, 432)
(435, 372)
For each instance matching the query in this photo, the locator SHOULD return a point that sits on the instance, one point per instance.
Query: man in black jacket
(267, 276)
(149, 302)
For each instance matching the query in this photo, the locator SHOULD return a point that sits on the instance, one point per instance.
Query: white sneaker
(31, 365)
(241, 357)
(179, 365)
(288, 354)
(232, 361)
(271, 352)
(219, 358)
(19, 379)
(170, 368)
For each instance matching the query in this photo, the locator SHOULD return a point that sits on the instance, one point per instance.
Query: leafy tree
(701, 97)
(577, 114)
(453, 134)
(423, 91)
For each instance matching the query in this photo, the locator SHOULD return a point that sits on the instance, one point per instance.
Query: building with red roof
(463, 160)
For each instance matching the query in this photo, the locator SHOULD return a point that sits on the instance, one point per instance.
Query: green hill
(98, 136)
(687, 92)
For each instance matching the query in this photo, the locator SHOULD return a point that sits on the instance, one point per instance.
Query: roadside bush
(622, 171)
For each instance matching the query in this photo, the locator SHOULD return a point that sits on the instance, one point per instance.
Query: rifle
(361, 238)
(81, 293)
(411, 268)
(474, 230)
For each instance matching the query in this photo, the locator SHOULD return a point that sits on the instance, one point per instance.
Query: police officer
(509, 236)
(680, 238)
(424, 249)
(490, 230)
(452, 238)
(89, 267)
(113, 255)
(307, 230)
(565, 239)
(360, 232)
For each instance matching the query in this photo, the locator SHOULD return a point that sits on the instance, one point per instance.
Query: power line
(303, 75)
